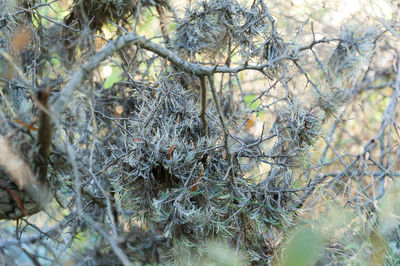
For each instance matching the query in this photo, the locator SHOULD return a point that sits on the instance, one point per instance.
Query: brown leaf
(20, 39)
(171, 150)
(196, 182)
(139, 140)
(17, 200)
(25, 125)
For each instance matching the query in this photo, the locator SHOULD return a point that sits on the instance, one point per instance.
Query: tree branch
(221, 118)
(44, 136)
(203, 99)
(134, 39)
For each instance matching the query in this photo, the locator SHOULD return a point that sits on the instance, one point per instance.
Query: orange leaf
(171, 150)
(25, 125)
(251, 122)
(196, 182)
(99, 43)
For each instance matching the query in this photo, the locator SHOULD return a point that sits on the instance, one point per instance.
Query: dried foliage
(148, 145)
